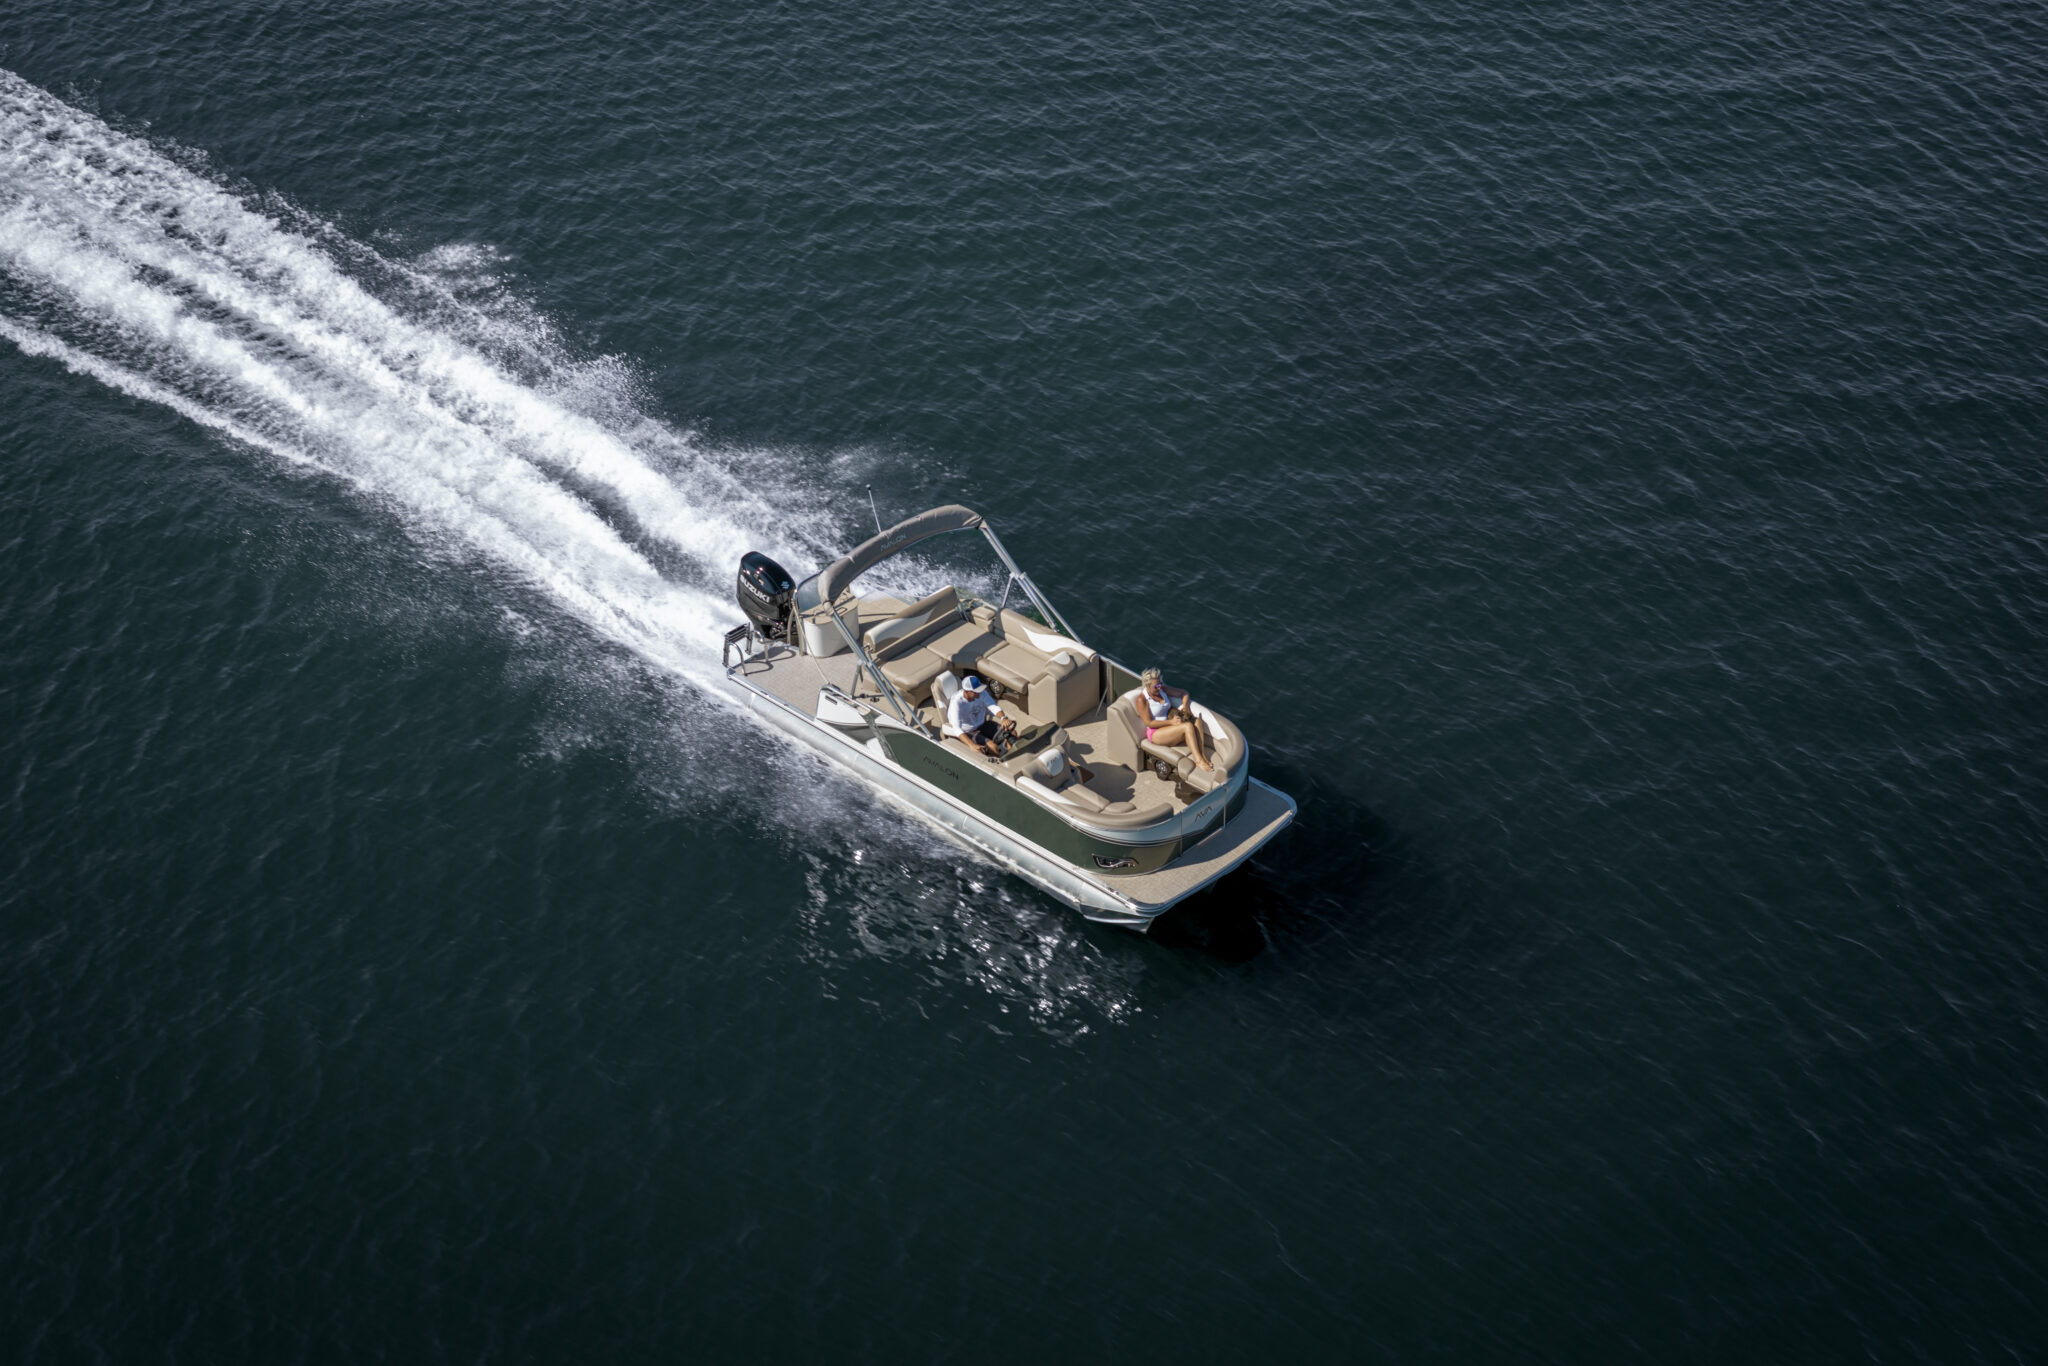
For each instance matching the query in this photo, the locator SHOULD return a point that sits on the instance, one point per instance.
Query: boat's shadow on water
(1334, 867)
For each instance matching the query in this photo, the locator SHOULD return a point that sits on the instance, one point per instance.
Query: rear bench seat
(941, 632)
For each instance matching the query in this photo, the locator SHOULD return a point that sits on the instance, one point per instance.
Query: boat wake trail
(486, 440)
(468, 422)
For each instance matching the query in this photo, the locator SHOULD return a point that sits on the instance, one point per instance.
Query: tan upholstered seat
(941, 632)
(1065, 786)
(898, 625)
(911, 673)
(915, 652)
(1129, 747)
(945, 687)
(1061, 678)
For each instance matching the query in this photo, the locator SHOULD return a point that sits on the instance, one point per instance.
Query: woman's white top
(1161, 707)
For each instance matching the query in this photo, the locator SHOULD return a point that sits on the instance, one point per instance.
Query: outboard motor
(767, 595)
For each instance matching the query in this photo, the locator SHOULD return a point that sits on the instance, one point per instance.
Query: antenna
(871, 508)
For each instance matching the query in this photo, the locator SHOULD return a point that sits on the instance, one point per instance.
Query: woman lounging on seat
(1167, 718)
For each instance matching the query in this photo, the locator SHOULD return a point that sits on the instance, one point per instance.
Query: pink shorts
(1151, 731)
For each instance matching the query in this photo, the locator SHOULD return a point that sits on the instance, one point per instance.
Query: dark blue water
(1594, 450)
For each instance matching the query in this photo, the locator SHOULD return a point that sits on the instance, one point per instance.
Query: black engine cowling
(767, 595)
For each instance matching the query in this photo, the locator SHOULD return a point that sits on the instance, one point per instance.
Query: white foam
(146, 276)
(467, 420)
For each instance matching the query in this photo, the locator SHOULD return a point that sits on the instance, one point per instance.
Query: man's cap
(973, 683)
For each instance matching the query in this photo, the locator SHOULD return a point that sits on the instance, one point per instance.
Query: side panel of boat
(1000, 800)
(1068, 884)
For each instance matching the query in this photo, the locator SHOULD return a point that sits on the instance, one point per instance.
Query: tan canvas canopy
(906, 533)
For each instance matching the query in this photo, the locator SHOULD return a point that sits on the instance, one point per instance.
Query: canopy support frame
(840, 574)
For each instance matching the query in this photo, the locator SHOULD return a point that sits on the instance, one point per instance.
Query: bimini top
(837, 575)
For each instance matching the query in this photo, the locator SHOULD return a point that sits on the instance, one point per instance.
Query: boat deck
(1088, 739)
(1266, 812)
(785, 673)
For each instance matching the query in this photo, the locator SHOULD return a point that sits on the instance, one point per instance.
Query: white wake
(471, 426)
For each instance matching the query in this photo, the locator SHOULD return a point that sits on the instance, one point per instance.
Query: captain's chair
(946, 687)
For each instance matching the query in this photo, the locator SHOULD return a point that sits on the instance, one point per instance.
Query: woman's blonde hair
(1149, 677)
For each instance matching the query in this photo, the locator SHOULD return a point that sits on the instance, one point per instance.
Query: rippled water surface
(1595, 450)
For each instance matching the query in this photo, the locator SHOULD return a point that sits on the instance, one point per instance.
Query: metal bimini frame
(904, 711)
(1019, 578)
(858, 561)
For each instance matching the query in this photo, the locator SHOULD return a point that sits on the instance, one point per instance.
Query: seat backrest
(909, 620)
(945, 688)
(1124, 732)
(917, 633)
(1070, 794)
(1046, 641)
(1074, 685)
(1226, 741)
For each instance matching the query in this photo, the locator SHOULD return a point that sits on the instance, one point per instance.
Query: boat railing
(885, 689)
(1018, 578)
(739, 635)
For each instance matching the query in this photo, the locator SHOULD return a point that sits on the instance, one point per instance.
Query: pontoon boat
(1082, 804)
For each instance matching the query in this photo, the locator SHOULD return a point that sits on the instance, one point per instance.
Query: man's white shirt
(964, 713)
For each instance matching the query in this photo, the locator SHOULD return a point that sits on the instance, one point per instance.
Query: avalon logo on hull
(1124, 862)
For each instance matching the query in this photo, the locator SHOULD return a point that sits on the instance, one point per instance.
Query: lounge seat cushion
(1074, 793)
(939, 632)
(910, 661)
(919, 637)
(1176, 756)
(1124, 734)
(1128, 746)
(901, 624)
(1011, 665)
(912, 672)
(963, 643)
(1071, 794)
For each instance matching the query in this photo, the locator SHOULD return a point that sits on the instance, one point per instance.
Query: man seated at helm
(975, 715)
